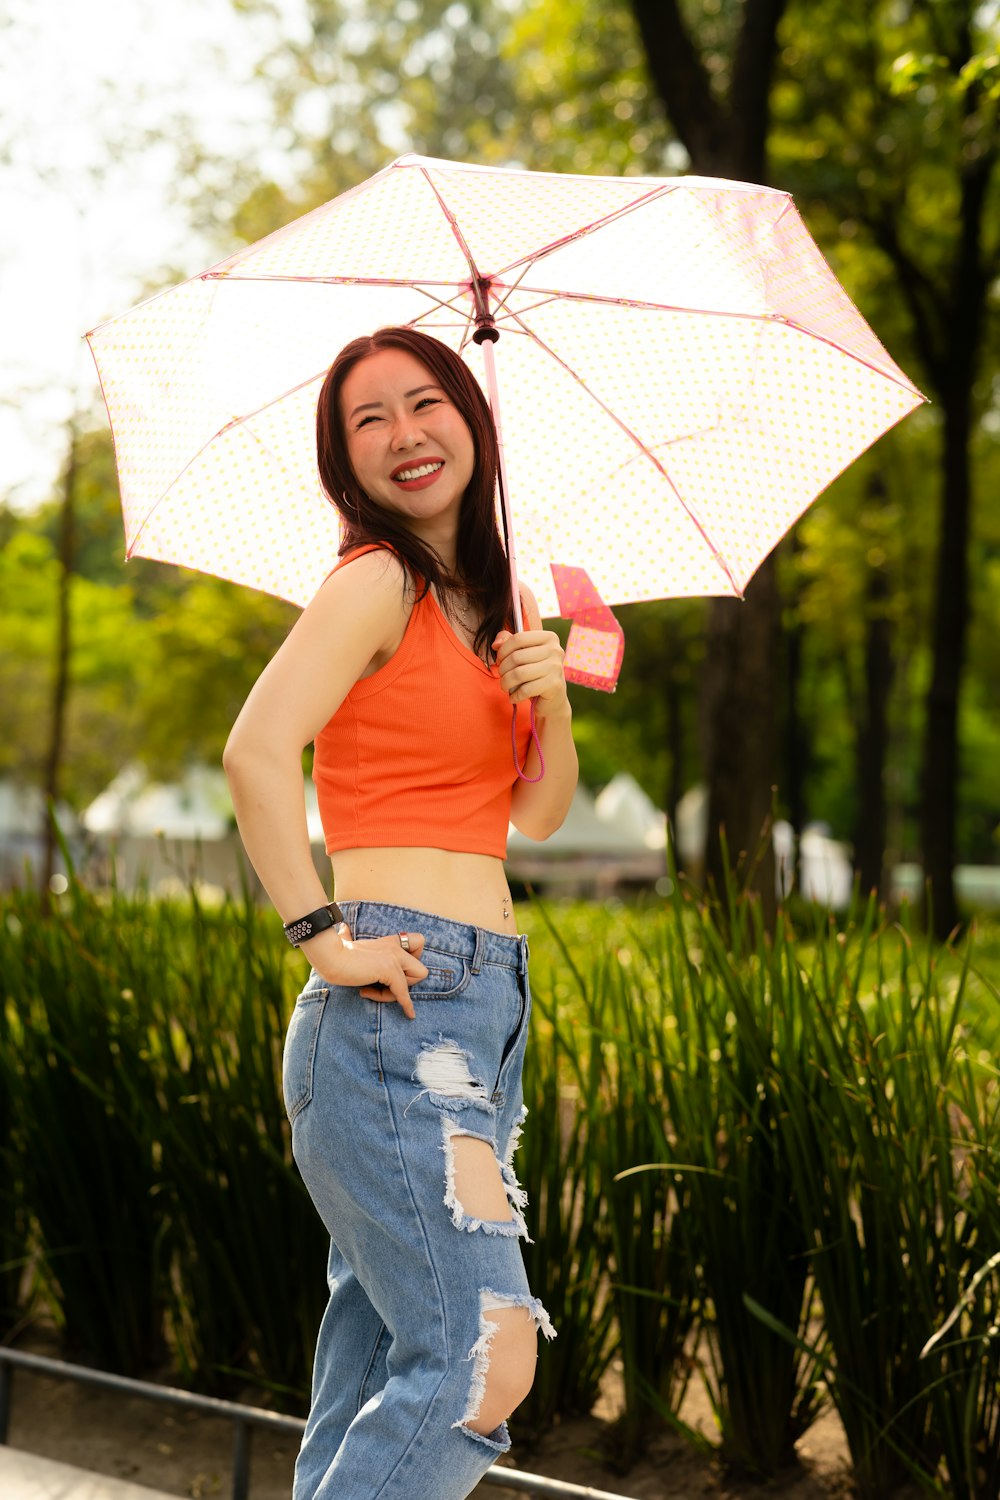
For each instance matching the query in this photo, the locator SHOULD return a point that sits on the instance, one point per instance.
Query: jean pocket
(447, 976)
(299, 1055)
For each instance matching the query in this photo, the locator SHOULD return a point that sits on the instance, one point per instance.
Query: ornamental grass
(766, 1162)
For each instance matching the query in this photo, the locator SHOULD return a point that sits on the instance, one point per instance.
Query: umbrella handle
(538, 747)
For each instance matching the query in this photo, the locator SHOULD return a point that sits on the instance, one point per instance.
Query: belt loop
(477, 957)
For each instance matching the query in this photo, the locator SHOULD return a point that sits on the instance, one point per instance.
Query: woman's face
(408, 444)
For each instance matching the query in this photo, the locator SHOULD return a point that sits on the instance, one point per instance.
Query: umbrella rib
(448, 302)
(408, 282)
(578, 234)
(465, 321)
(717, 556)
(456, 231)
(552, 294)
(514, 284)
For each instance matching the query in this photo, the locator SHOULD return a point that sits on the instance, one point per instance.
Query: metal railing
(244, 1420)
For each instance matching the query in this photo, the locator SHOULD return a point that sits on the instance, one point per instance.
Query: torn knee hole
(504, 1357)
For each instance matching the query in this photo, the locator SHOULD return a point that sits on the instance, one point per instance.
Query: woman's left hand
(531, 666)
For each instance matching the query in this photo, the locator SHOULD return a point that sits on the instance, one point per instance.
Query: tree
(159, 658)
(716, 90)
(901, 104)
(60, 689)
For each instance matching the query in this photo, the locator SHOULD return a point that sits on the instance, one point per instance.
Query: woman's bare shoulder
(375, 582)
(376, 565)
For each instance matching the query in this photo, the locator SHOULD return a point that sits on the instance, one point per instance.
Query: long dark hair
(481, 564)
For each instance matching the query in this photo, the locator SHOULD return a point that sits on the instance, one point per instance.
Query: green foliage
(719, 1129)
(161, 658)
(566, 1180)
(585, 102)
(152, 1035)
(881, 136)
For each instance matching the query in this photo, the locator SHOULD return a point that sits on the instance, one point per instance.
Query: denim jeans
(375, 1102)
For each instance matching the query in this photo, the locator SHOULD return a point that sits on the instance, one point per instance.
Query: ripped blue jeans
(376, 1102)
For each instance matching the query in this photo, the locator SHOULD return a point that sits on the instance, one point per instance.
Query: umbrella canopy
(680, 373)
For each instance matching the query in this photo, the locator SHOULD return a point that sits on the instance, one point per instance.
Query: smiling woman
(408, 442)
(394, 403)
(402, 1063)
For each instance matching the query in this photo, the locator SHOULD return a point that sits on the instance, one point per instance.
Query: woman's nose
(406, 435)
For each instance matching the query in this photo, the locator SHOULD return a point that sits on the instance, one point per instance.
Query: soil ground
(189, 1455)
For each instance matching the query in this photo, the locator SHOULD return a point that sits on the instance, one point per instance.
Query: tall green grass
(877, 1131)
(248, 1254)
(566, 1260)
(767, 1162)
(714, 1223)
(14, 1237)
(154, 1175)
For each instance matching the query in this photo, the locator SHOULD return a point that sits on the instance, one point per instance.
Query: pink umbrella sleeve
(596, 640)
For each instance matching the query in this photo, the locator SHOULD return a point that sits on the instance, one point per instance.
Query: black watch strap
(304, 928)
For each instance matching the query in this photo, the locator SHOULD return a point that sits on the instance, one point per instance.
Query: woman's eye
(428, 401)
(364, 422)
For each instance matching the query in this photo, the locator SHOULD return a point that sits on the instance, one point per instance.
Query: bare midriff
(460, 887)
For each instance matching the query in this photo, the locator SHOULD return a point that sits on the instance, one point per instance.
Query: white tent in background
(582, 833)
(169, 835)
(826, 874)
(625, 806)
(589, 854)
(691, 832)
(196, 807)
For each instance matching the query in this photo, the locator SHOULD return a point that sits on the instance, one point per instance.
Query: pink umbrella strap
(538, 747)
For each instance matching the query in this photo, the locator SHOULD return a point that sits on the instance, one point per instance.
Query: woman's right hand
(381, 968)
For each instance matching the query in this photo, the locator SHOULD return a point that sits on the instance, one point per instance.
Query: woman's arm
(531, 666)
(359, 611)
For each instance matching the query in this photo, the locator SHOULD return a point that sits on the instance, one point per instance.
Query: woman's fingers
(400, 967)
(397, 992)
(531, 666)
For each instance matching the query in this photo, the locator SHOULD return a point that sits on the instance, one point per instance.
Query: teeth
(408, 474)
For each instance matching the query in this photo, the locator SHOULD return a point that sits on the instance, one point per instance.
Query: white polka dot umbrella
(681, 374)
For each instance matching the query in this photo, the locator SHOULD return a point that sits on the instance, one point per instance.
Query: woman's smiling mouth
(417, 476)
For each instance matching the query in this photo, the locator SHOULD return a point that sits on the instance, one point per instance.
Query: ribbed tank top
(419, 753)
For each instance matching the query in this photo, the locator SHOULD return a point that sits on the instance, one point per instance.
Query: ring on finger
(404, 941)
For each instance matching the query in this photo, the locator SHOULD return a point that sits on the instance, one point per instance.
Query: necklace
(460, 608)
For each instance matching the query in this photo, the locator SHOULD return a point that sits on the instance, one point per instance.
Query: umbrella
(681, 375)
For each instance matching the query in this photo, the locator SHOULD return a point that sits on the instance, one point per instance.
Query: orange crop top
(420, 752)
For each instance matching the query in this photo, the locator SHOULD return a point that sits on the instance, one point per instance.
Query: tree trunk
(797, 755)
(739, 693)
(873, 735)
(939, 788)
(60, 686)
(675, 745)
(739, 711)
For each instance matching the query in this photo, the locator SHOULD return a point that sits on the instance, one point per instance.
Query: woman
(403, 1056)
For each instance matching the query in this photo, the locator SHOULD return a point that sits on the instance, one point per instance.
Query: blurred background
(842, 723)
